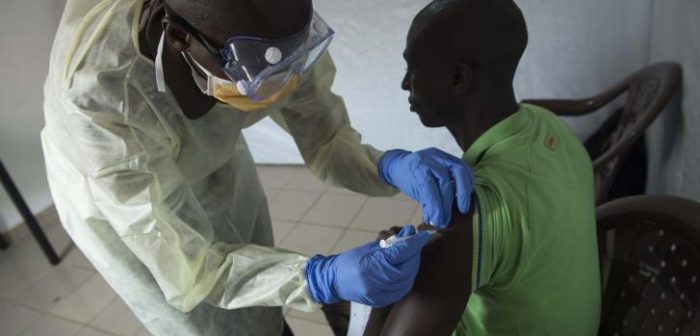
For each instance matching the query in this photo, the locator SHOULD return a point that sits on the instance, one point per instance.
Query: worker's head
(460, 52)
(246, 37)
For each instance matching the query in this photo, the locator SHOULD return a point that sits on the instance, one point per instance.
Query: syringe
(393, 239)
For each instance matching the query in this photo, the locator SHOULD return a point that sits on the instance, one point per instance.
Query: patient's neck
(481, 113)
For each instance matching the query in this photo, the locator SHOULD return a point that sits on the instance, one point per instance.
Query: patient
(524, 262)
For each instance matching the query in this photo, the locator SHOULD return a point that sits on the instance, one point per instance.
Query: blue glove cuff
(386, 162)
(320, 277)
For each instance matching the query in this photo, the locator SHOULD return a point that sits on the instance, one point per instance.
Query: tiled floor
(72, 299)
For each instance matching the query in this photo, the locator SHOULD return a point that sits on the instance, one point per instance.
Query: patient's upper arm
(442, 287)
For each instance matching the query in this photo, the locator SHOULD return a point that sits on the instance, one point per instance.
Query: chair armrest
(578, 107)
(565, 107)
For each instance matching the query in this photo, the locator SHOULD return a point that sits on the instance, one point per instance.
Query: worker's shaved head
(220, 19)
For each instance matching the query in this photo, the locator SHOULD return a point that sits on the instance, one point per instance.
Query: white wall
(369, 41)
(577, 48)
(26, 35)
(675, 159)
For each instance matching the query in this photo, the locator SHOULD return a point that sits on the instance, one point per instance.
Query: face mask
(228, 92)
(223, 90)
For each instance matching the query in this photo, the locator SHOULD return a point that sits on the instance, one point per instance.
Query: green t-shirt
(535, 269)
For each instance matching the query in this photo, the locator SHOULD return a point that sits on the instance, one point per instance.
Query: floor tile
(276, 177)
(144, 332)
(305, 180)
(271, 193)
(311, 239)
(87, 331)
(88, 301)
(303, 327)
(60, 241)
(76, 258)
(117, 318)
(57, 284)
(15, 319)
(46, 218)
(56, 235)
(352, 239)
(417, 217)
(341, 191)
(21, 249)
(281, 228)
(334, 210)
(13, 285)
(291, 205)
(316, 316)
(54, 326)
(382, 213)
(22, 265)
(402, 196)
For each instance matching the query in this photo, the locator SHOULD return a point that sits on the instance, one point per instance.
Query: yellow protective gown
(170, 210)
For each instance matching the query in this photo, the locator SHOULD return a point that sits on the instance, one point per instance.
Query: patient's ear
(461, 77)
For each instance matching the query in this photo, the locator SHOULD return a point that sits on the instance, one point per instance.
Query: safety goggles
(261, 67)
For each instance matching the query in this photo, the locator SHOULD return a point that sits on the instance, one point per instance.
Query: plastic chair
(649, 91)
(653, 287)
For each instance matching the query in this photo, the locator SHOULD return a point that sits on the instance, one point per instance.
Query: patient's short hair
(487, 34)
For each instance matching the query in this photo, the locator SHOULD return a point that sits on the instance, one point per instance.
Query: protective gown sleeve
(135, 183)
(318, 121)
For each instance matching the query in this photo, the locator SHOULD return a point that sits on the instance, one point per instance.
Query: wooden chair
(648, 92)
(654, 283)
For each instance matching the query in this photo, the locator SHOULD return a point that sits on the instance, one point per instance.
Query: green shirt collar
(502, 130)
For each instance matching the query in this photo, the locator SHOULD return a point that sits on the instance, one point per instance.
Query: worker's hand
(431, 177)
(367, 274)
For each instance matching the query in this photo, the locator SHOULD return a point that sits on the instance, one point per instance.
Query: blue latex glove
(367, 274)
(427, 177)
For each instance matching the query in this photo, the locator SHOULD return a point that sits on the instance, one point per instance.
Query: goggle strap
(160, 75)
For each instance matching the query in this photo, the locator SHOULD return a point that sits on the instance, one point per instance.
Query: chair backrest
(654, 283)
(648, 92)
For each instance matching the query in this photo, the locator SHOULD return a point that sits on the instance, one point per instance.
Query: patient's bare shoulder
(442, 287)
